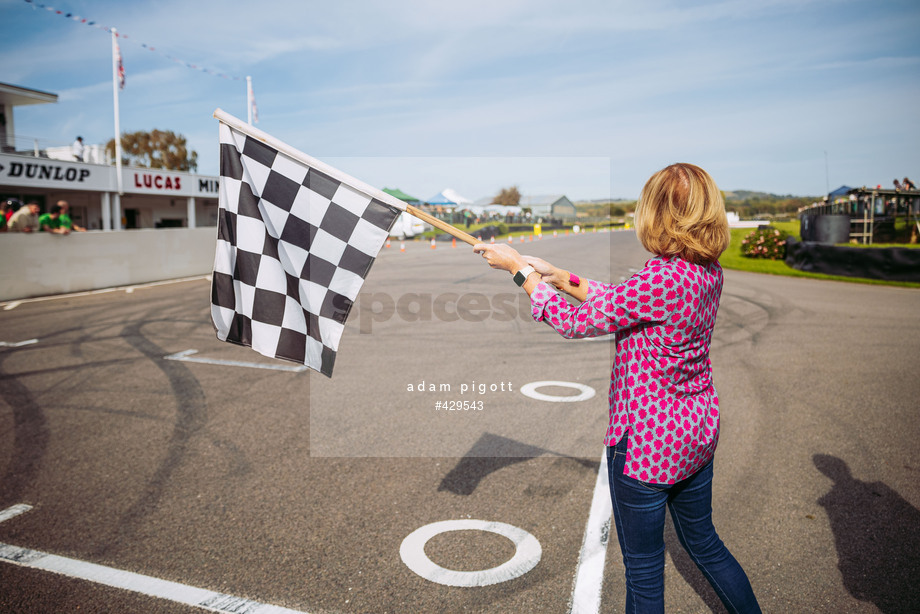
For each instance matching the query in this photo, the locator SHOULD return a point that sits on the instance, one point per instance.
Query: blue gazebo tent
(448, 197)
(440, 200)
(841, 191)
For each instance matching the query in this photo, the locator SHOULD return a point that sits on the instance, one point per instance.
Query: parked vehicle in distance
(407, 226)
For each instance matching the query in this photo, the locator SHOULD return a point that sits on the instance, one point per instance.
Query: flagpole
(117, 123)
(249, 98)
(437, 223)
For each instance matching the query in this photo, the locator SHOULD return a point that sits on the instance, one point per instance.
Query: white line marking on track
(154, 587)
(152, 284)
(527, 553)
(186, 356)
(530, 390)
(13, 511)
(589, 575)
(147, 585)
(10, 344)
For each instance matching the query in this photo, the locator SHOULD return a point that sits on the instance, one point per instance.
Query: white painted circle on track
(585, 392)
(526, 555)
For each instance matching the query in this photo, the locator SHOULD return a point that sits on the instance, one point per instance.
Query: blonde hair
(681, 213)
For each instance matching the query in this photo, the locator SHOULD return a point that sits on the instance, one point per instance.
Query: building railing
(867, 206)
(46, 148)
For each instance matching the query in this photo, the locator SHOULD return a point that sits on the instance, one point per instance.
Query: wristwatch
(521, 276)
(574, 279)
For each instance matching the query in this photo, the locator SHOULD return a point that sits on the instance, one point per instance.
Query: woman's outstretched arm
(559, 278)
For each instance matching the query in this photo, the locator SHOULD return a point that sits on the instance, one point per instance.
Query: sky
(583, 98)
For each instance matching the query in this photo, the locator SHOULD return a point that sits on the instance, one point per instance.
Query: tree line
(750, 206)
(162, 149)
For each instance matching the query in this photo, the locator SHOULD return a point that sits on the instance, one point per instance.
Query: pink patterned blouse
(661, 388)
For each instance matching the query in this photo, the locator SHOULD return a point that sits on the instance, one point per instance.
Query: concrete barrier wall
(40, 264)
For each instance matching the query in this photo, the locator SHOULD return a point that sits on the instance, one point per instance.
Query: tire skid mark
(191, 416)
(744, 315)
(239, 464)
(108, 411)
(58, 369)
(32, 434)
(30, 437)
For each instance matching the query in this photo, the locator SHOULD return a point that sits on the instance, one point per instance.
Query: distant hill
(735, 195)
(747, 203)
(602, 201)
(730, 196)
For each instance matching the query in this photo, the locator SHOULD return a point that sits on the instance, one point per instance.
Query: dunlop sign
(46, 173)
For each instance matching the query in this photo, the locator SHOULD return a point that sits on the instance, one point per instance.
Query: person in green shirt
(66, 222)
(51, 222)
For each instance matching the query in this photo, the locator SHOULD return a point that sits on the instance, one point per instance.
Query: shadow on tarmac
(491, 453)
(877, 535)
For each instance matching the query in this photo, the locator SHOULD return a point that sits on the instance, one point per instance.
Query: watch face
(519, 278)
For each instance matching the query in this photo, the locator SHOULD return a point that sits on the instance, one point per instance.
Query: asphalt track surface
(296, 490)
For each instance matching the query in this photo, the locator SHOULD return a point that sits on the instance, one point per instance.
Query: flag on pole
(121, 67)
(296, 239)
(252, 101)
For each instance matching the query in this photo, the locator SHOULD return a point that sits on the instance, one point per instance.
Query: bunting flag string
(94, 24)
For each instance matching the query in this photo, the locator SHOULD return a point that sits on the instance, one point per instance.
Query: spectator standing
(66, 221)
(25, 220)
(3, 207)
(908, 184)
(51, 222)
(78, 149)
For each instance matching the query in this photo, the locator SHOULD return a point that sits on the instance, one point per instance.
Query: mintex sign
(32, 172)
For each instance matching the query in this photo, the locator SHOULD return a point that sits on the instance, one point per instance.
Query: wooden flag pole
(466, 238)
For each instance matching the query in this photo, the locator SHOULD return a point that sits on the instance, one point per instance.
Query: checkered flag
(296, 239)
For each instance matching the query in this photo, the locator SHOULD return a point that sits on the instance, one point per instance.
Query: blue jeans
(639, 513)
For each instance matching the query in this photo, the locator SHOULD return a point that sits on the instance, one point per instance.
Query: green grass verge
(878, 245)
(732, 259)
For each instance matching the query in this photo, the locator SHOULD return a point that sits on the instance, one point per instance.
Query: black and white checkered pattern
(294, 246)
